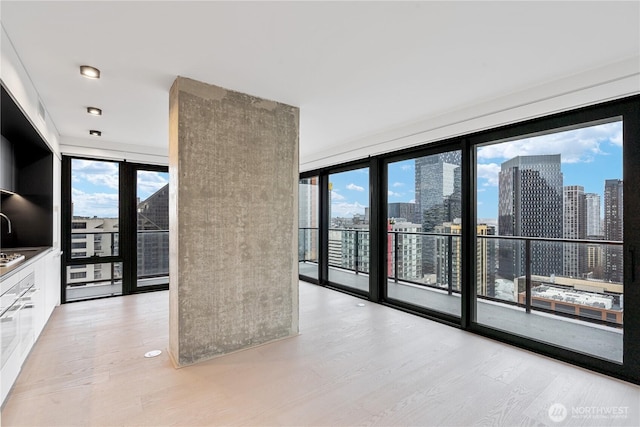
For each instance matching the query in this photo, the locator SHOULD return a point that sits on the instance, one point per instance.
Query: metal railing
(405, 248)
(113, 243)
(530, 302)
(355, 243)
(153, 253)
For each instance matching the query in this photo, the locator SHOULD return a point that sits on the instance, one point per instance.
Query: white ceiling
(353, 68)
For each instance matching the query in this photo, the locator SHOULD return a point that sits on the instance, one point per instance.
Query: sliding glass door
(348, 252)
(116, 228)
(424, 231)
(550, 235)
(94, 264)
(308, 230)
(527, 233)
(152, 227)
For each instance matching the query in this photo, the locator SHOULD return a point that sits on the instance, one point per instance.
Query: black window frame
(125, 240)
(628, 108)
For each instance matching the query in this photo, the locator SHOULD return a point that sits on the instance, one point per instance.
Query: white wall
(17, 82)
(590, 87)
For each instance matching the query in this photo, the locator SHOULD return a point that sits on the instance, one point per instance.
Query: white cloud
(96, 172)
(574, 146)
(336, 196)
(354, 187)
(392, 194)
(149, 182)
(398, 184)
(101, 205)
(406, 167)
(346, 210)
(412, 201)
(490, 172)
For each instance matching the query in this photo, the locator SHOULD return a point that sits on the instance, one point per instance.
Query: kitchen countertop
(30, 254)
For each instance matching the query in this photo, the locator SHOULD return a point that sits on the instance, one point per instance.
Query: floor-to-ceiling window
(308, 228)
(424, 231)
(94, 261)
(115, 226)
(349, 243)
(549, 217)
(152, 227)
(525, 233)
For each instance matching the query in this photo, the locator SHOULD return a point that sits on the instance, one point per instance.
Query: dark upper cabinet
(27, 170)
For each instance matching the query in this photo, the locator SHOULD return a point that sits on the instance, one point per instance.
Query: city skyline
(589, 156)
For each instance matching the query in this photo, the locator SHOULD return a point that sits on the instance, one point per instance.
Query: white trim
(96, 148)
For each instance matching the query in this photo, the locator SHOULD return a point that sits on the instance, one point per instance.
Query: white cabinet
(28, 298)
(50, 280)
(16, 325)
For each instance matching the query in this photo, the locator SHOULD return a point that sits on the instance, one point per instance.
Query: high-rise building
(486, 260)
(438, 189)
(153, 234)
(335, 248)
(530, 204)
(436, 179)
(449, 252)
(613, 229)
(404, 210)
(594, 227)
(354, 247)
(408, 248)
(574, 227)
(94, 237)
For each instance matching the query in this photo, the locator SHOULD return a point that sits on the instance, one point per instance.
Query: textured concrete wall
(233, 162)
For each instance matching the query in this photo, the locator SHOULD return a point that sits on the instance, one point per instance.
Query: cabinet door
(7, 174)
(51, 282)
(36, 295)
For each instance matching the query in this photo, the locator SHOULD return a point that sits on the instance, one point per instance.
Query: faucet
(8, 221)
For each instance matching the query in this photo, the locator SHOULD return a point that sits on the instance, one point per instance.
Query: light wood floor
(350, 365)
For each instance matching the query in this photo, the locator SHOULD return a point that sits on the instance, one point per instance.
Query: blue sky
(589, 156)
(94, 187)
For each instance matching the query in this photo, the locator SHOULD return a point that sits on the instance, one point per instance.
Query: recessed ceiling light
(95, 111)
(95, 133)
(89, 72)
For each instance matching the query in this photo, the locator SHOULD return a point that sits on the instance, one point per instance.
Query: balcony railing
(91, 239)
(349, 249)
(153, 254)
(577, 278)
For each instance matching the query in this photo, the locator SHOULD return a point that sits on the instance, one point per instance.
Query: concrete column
(233, 164)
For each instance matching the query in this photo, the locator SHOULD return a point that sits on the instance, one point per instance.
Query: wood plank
(350, 365)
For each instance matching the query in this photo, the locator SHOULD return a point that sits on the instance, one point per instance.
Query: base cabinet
(28, 299)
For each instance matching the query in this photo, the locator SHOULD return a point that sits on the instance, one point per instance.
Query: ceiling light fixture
(89, 72)
(95, 133)
(95, 111)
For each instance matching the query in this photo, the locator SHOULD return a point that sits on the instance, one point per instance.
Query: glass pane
(349, 229)
(93, 281)
(308, 227)
(549, 237)
(424, 231)
(94, 198)
(152, 194)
